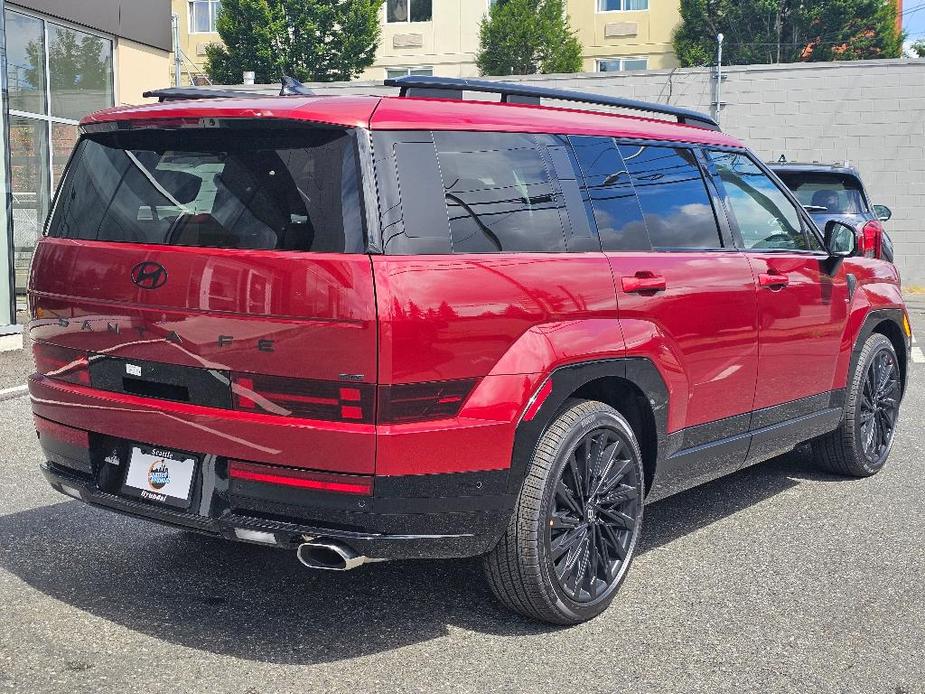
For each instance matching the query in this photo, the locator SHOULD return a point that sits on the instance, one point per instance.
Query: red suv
(368, 328)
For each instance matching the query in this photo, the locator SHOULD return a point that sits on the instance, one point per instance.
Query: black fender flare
(566, 380)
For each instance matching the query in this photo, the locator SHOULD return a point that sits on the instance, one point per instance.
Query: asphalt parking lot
(778, 578)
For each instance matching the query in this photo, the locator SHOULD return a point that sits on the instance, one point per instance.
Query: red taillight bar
(61, 363)
(303, 479)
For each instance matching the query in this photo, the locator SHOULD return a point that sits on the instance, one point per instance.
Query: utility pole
(718, 104)
(177, 60)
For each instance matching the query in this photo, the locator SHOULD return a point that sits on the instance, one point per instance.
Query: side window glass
(673, 197)
(766, 218)
(500, 194)
(613, 199)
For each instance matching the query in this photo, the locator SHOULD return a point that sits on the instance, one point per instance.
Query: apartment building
(196, 30)
(441, 37)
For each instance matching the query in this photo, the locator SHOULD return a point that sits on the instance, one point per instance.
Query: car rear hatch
(203, 285)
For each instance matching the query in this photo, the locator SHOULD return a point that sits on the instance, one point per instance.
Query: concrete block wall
(870, 113)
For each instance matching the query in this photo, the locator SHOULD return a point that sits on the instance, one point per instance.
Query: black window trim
(809, 226)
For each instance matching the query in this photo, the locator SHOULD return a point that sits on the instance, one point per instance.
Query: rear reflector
(69, 435)
(303, 479)
(294, 397)
(418, 402)
(61, 363)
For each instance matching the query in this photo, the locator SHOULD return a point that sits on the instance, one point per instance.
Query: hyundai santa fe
(417, 326)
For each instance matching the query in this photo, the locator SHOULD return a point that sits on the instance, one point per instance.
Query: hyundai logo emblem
(149, 275)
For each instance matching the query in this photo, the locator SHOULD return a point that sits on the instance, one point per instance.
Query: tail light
(417, 402)
(61, 363)
(871, 240)
(302, 479)
(294, 397)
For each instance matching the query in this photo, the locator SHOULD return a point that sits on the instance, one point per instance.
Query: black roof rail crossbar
(452, 87)
(183, 93)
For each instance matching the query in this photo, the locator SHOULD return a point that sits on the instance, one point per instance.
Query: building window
(56, 75)
(622, 64)
(622, 5)
(409, 11)
(394, 72)
(203, 16)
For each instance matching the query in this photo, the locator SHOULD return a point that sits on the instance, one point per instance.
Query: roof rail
(452, 88)
(182, 93)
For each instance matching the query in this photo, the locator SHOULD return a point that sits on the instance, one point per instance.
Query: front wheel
(862, 443)
(576, 524)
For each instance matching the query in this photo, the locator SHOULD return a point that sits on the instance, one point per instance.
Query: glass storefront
(56, 74)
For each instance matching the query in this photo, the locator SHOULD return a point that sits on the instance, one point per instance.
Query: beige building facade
(196, 25)
(441, 37)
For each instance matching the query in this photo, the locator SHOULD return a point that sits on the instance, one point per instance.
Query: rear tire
(862, 443)
(574, 529)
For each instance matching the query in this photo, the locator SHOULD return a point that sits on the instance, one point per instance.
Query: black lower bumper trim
(455, 534)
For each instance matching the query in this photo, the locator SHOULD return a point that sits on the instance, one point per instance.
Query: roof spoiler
(290, 87)
(453, 88)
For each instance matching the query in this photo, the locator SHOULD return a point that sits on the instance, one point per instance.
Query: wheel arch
(886, 322)
(633, 386)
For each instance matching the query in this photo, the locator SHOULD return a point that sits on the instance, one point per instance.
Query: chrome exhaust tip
(329, 556)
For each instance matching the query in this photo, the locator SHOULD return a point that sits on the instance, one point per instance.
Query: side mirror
(841, 240)
(883, 212)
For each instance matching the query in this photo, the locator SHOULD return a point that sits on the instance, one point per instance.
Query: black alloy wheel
(879, 405)
(861, 444)
(594, 515)
(571, 538)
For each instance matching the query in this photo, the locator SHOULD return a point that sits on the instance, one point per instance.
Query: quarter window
(766, 218)
(409, 11)
(673, 196)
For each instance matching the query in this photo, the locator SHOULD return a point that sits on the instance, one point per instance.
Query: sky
(914, 20)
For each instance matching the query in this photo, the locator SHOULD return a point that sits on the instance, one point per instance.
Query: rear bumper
(426, 536)
(455, 514)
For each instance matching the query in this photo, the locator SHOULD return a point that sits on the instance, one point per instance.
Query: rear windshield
(825, 192)
(219, 188)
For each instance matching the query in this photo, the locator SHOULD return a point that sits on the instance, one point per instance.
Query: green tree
(919, 48)
(785, 31)
(312, 40)
(524, 37)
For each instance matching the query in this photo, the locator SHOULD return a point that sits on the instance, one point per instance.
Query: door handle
(773, 280)
(644, 282)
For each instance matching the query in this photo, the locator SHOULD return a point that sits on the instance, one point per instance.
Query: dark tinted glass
(215, 188)
(500, 194)
(616, 209)
(826, 192)
(673, 196)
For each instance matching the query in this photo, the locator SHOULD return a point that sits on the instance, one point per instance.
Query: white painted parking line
(917, 356)
(13, 392)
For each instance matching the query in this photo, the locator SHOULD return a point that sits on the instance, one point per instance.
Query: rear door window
(613, 198)
(673, 196)
(218, 188)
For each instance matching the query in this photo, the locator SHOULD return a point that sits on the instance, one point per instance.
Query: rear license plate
(160, 475)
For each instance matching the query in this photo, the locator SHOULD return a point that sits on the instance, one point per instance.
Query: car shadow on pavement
(260, 604)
